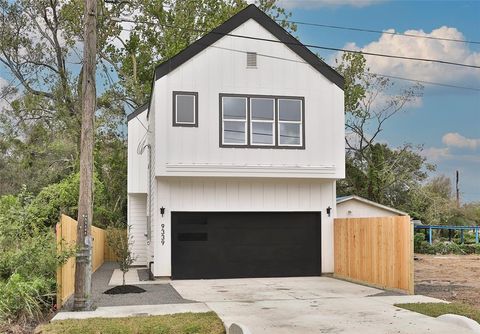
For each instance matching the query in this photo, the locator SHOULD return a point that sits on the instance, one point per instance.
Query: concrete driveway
(310, 305)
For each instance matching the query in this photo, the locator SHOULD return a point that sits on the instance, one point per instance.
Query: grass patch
(437, 309)
(182, 323)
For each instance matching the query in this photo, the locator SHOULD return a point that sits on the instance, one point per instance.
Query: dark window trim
(174, 107)
(249, 144)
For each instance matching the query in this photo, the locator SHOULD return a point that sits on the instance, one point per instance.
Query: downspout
(149, 217)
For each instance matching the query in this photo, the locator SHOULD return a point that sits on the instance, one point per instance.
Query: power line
(427, 82)
(377, 74)
(445, 62)
(379, 32)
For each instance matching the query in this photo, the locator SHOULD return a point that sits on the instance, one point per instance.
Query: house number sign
(162, 234)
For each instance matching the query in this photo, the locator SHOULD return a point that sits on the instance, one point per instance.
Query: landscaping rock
(238, 329)
(461, 321)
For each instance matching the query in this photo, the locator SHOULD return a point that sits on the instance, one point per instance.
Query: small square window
(185, 109)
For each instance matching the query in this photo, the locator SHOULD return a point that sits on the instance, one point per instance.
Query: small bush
(120, 243)
(24, 299)
(446, 247)
(28, 262)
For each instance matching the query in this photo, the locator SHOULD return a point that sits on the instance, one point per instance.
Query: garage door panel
(245, 244)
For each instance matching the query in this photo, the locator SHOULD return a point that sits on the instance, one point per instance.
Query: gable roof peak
(255, 13)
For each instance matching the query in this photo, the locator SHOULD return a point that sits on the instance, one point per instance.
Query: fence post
(58, 230)
(430, 235)
(476, 235)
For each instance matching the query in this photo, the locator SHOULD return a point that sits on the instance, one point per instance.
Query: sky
(445, 121)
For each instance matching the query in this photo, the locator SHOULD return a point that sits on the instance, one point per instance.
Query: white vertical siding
(357, 209)
(219, 70)
(263, 195)
(137, 162)
(137, 226)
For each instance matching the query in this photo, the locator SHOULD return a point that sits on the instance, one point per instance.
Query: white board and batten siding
(252, 194)
(195, 151)
(192, 172)
(137, 187)
(137, 164)
(137, 227)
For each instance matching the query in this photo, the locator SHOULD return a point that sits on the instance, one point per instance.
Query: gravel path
(155, 294)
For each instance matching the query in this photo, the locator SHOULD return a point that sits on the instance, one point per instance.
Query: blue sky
(445, 121)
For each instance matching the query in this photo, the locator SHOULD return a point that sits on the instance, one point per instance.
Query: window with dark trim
(262, 121)
(185, 109)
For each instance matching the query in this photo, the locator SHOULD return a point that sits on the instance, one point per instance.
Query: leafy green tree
(62, 197)
(373, 169)
(163, 28)
(432, 202)
(40, 47)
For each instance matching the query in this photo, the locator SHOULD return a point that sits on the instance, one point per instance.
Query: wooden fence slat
(66, 231)
(377, 251)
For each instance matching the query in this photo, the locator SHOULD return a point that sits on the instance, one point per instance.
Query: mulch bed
(124, 289)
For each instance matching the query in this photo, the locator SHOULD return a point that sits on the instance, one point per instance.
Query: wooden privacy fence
(66, 231)
(375, 251)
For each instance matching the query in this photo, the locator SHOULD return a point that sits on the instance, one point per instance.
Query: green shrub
(24, 299)
(418, 238)
(471, 248)
(28, 261)
(62, 197)
(445, 247)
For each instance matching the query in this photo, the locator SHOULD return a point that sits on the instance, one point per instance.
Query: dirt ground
(453, 278)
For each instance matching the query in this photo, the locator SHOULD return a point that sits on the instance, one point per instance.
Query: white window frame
(273, 122)
(300, 123)
(235, 120)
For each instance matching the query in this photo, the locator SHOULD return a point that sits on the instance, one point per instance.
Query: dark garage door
(245, 244)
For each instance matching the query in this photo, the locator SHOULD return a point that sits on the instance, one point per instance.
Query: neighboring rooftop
(342, 199)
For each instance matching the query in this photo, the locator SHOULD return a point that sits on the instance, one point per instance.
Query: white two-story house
(232, 164)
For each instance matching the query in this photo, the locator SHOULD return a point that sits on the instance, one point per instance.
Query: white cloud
(289, 4)
(457, 148)
(424, 48)
(436, 153)
(453, 139)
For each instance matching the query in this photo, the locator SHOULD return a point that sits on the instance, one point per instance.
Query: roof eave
(378, 205)
(138, 111)
(250, 12)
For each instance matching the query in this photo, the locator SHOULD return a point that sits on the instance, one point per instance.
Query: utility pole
(457, 189)
(83, 269)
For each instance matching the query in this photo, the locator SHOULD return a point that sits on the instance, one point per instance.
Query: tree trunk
(83, 270)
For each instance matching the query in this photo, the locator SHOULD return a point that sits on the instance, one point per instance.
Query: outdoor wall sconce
(329, 210)
(162, 211)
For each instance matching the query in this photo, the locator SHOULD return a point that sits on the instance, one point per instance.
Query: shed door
(245, 244)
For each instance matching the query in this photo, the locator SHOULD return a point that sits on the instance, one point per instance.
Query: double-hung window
(262, 121)
(290, 120)
(259, 121)
(234, 120)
